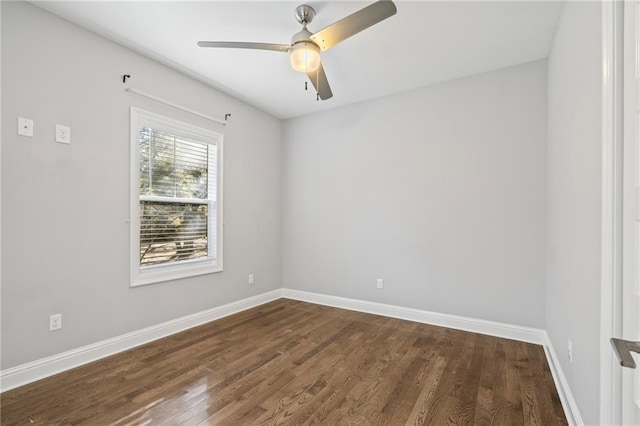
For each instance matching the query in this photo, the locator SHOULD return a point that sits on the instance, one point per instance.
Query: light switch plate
(25, 127)
(63, 134)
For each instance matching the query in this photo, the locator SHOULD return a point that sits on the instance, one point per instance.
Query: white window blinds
(177, 194)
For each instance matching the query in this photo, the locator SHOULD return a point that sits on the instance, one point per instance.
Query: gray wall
(65, 235)
(574, 200)
(439, 191)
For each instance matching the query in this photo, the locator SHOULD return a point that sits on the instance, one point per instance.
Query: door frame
(611, 237)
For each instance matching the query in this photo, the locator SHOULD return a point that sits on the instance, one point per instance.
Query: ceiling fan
(304, 49)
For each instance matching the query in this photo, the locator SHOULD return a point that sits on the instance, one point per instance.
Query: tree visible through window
(177, 189)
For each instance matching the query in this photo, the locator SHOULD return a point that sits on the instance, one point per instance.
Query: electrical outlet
(63, 134)
(251, 279)
(570, 351)
(55, 322)
(380, 283)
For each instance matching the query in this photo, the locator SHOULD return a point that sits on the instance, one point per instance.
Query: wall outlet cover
(63, 134)
(55, 322)
(25, 127)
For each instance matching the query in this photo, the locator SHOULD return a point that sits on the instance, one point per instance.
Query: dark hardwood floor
(290, 362)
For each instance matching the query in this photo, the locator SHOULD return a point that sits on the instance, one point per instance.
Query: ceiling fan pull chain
(318, 84)
(305, 86)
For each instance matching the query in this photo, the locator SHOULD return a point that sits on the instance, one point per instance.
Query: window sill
(157, 274)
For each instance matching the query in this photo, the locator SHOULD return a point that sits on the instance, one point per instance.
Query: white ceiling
(426, 42)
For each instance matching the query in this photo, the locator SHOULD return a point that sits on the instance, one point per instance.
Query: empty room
(332, 212)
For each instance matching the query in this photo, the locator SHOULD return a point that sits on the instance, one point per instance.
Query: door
(631, 208)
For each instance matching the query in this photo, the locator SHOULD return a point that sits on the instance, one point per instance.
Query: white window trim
(160, 273)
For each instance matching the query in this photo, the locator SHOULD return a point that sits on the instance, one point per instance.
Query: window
(176, 199)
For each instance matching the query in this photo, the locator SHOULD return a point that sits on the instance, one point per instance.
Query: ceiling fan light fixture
(305, 56)
(305, 46)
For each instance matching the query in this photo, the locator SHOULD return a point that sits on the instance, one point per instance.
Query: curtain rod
(174, 105)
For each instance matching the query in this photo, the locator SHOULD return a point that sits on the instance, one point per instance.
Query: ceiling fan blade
(244, 45)
(354, 23)
(319, 80)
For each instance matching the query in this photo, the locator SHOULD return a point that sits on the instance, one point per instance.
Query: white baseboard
(45, 367)
(491, 328)
(564, 391)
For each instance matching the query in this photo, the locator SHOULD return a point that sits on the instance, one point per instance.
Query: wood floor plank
(290, 362)
(432, 376)
(440, 408)
(491, 384)
(514, 412)
(529, 400)
(469, 380)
